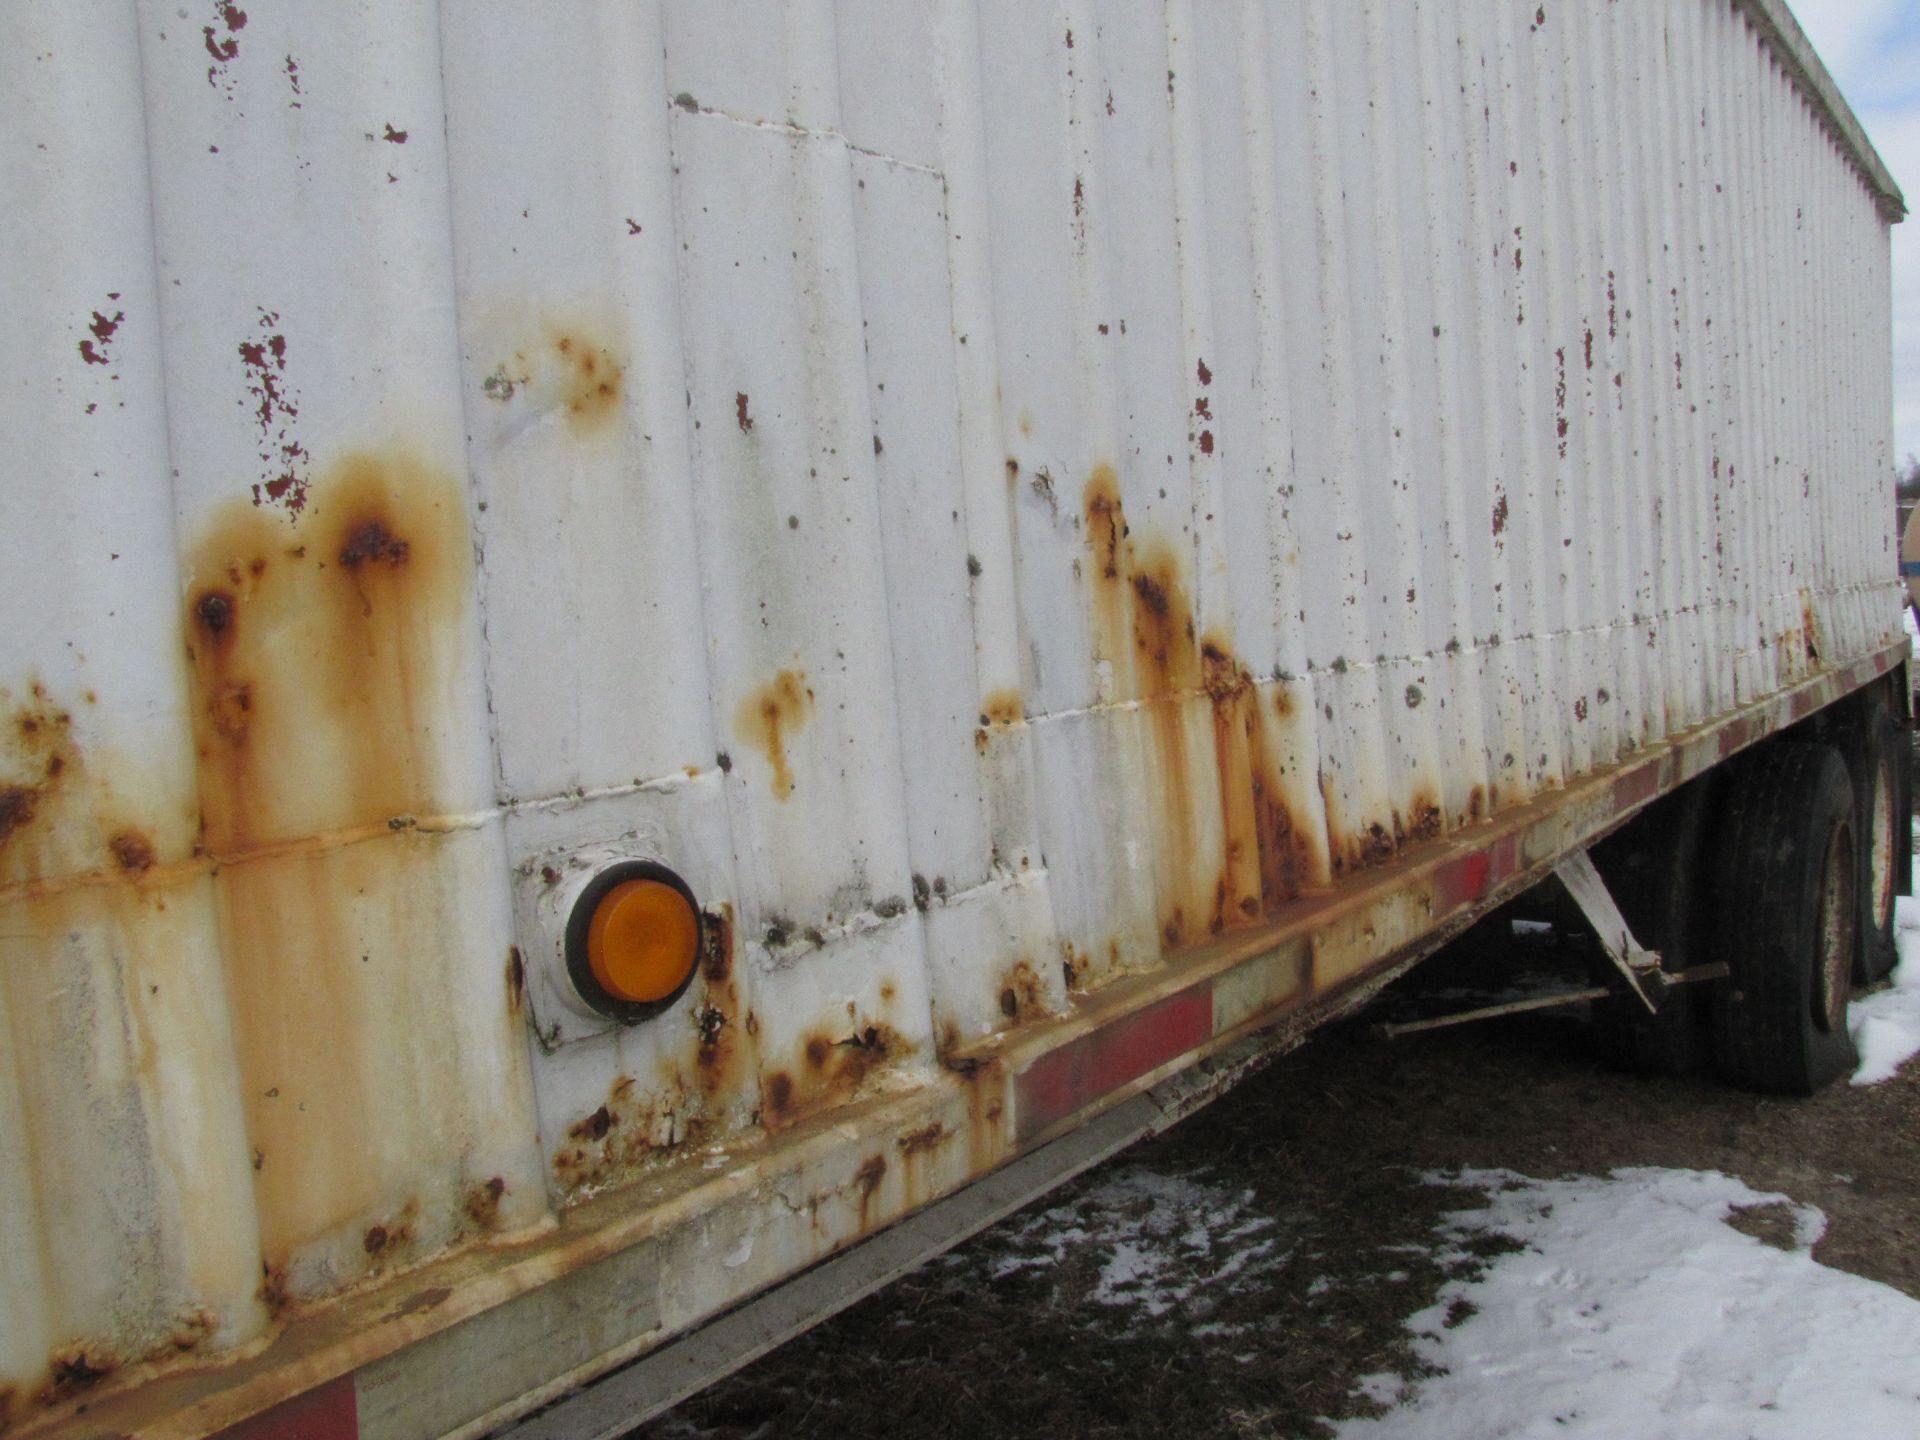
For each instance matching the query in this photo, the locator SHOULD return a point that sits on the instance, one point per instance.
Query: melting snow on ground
(1886, 1025)
(1636, 1310)
(1163, 1241)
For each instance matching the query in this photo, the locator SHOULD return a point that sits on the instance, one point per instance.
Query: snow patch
(1886, 1024)
(1636, 1310)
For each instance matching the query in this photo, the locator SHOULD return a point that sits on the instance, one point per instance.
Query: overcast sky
(1872, 47)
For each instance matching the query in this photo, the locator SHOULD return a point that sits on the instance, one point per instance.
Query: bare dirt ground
(1294, 1227)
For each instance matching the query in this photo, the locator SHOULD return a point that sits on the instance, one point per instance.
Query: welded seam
(795, 131)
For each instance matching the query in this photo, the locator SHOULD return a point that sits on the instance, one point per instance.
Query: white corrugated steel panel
(993, 494)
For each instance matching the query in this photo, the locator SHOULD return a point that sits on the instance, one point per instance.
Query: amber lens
(643, 941)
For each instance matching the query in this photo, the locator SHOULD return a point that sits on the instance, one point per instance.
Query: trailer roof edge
(1777, 26)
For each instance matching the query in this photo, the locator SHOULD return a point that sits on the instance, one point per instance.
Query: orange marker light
(642, 941)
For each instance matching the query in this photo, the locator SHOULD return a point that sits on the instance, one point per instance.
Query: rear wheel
(1786, 909)
(1878, 774)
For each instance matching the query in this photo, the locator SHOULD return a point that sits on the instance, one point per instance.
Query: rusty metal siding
(998, 495)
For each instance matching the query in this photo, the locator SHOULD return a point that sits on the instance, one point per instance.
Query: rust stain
(740, 416)
(776, 1101)
(483, 1202)
(132, 851)
(320, 668)
(770, 717)
(636, 1125)
(394, 137)
(383, 1242)
(73, 1369)
(1144, 628)
(324, 656)
(927, 1138)
(516, 983)
(1002, 707)
(985, 1083)
(192, 1329)
(1021, 992)
(273, 1286)
(833, 1065)
(39, 767)
(563, 369)
(870, 1175)
(1426, 822)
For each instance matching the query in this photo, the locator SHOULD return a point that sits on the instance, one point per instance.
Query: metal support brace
(1640, 966)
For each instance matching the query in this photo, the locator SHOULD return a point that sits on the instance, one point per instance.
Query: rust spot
(132, 851)
(768, 718)
(516, 982)
(716, 956)
(94, 349)
(1500, 513)
(275, 403)
(273, 1286)
(1206, 375)
(17, 806)
(819, 1051)
(1376, 847)
(394, 137)
(376, 1239)
(744, 420)
(223, 47)
(595, 1126)
(1427, 821)
(76, 1369)
(1206, 442)
(1021, 992)
(373, 544)
(192, 1329)
(483, 1206)
(1002, 707)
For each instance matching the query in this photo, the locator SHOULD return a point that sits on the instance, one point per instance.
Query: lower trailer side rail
(470, 1342)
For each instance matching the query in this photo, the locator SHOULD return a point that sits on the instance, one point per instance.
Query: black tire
(1652, 866)
(1786, 915)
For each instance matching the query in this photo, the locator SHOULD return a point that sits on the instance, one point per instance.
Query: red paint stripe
(1802, 704)
(1635, 788)
(327, 1412)
(1081, 1071)
(1461, 881)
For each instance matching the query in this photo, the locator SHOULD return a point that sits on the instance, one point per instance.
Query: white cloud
(1847, 32)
